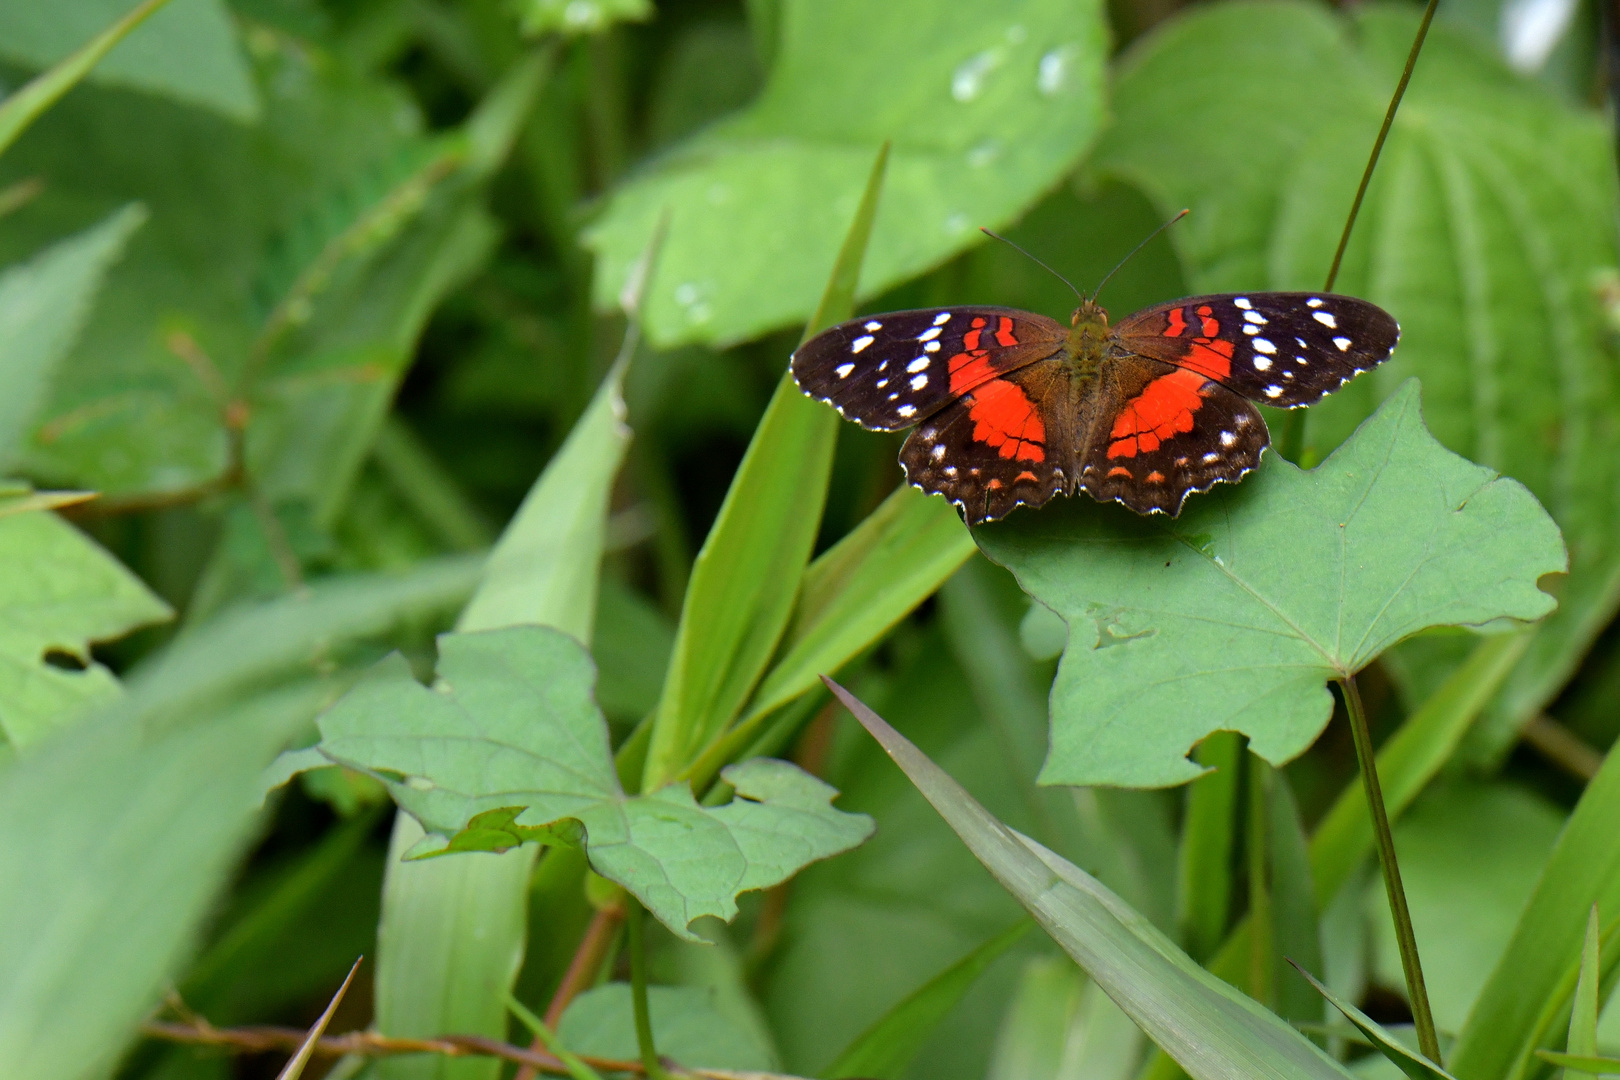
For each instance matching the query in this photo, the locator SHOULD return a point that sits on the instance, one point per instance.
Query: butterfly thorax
(1088, 340)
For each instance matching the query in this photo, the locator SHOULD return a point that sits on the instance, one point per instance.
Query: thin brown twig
(261, 1039)
(1562, 747)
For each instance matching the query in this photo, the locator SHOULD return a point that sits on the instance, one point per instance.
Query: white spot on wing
(932, 346)
(1250, 329)
(1228, 439)
(1314, 302)
(1342, 342)
(1210, 459)
(881, 383)
(1262, 363)
(1254, 317)
(929, 335)
(950, 470)
(1264, 346)
(911, 410)
(874, 325)
(919, 364)
(942, 318)
(937, 452)
(1273, 391)
(1326, 319)
(861, 342)
(919, 382)
(1242, 302)
(844, 370)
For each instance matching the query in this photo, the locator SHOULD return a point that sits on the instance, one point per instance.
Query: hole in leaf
(64, 660)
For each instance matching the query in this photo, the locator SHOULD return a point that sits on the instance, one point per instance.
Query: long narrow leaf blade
(21, 109)
(746, 577)
(1210, 1029)
(295, 1064)
(1410, 1062)
(1583, 1012)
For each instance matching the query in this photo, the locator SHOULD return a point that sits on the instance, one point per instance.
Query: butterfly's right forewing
(888, 372)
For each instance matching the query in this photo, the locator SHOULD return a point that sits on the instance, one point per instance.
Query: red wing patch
(1005, 419)
(888, 372)
(1163, 410)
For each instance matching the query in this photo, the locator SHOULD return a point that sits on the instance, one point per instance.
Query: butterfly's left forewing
(888, 372)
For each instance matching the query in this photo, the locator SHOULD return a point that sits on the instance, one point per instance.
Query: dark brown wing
(1164, 432)
(1277, 348)
(1000, 446)
(888, 372)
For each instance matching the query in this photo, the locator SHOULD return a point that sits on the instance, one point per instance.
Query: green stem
(1417, 993)
(634, 922)
(1378, 143)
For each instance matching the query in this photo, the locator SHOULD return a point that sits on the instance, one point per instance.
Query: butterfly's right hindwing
(888, 372)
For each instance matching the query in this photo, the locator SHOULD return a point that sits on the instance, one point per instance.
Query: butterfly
(1012, 408)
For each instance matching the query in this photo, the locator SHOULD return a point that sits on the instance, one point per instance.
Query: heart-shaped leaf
(511, 747)
(1234, 615)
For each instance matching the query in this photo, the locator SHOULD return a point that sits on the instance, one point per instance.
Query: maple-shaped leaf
(1236, 614)
(510, 746)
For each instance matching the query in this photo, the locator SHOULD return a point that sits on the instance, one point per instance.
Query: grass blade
(746, 577)
(1583, 1012)
(295, 1065)
(885, 1050)
(1581, 1063)
(21, 109)
(1208, 836)
(1412, 1064)
(1212, 1030)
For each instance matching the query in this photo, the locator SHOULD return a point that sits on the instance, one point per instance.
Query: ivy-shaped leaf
(1234, 615)
(1489, 215)
(58, 593)
(510, 747)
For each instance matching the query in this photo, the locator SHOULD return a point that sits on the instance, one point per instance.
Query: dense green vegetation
(415, 548)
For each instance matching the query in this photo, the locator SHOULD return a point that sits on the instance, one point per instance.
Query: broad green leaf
(1483, 227)
(43, 303)
(187, 51)
(988, 105)
(744, 582)
(1583, 1013)
(1523, 1004)
(1413, 1064)
(59, 592)
(1208, 840)
(295, 1064)
(1211, 1029)
(886, 1049)
(688, 1028)
(513, 748)
(1059, 1025)
(1234, 615)
(116, 840)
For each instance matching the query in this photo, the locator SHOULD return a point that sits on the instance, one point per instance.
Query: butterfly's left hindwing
(888, 372)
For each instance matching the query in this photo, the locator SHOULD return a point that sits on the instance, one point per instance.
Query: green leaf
(1413, 1064)
(514, 726)
(988, 106)
(1208, 840)
(20, 499)
(1212, 1030)
(1257, 594)
(43, 303)
(887, 1048)
(1583, 1013)
(1298, 936)
(59, 592)
(1583, 1063)
(295, 1064)
(579, 17)
(687, 1027)
(545, 567)
(1522, 1005)
(116, 841)
(187, 51)
(1059, 1025)
(1481, 232)
(746, 577)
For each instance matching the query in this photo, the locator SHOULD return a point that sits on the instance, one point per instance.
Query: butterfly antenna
(1033, 259)
(1134, 250)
